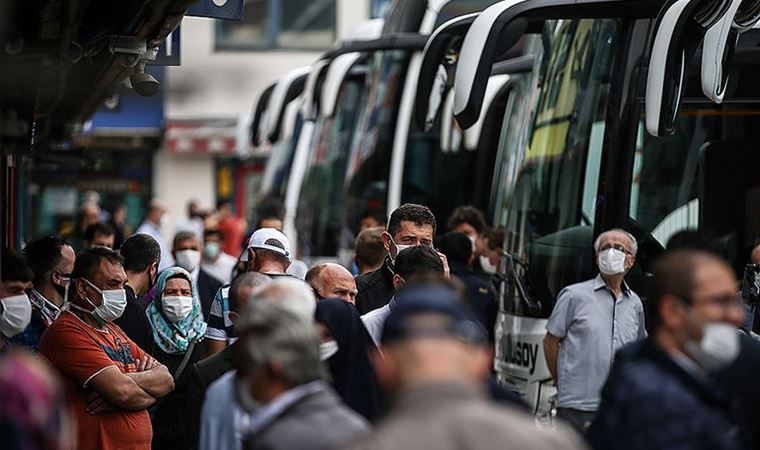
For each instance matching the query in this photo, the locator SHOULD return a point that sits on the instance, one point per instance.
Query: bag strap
(176, 375)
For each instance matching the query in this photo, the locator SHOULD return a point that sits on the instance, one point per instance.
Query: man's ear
(386, 242)
(670, 312)
(81, 288)
(398, 282)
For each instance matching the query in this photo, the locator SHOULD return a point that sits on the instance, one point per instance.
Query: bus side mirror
(719, 44)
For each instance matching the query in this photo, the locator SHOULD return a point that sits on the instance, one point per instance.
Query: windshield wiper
(509, 261)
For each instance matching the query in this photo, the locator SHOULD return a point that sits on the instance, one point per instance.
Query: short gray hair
(246, 280)
(634, 243)
(292, 293)
(272, 333)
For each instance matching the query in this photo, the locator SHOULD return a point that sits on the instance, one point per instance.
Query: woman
(345, 348)
(178, 328)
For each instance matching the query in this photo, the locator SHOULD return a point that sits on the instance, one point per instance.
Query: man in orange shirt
(110, 382)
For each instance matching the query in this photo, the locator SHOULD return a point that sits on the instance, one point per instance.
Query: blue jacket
(649, 402)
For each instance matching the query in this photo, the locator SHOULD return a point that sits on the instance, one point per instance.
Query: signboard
(217, 9)
(216, 137)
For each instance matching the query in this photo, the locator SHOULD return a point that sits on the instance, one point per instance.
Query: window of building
(280, 24)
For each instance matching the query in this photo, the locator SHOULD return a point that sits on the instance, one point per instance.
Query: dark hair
(89, 260)
(494, 236)
(418, 214)
(269, 254)
(369, 248)
(469, 215)
(456, 246)
(14, 267)
(43, 255)
(102, 229)
(221, 203)
(690, 239)
(184, 236)
(416, 261)
(673, 274)
(208, 232)
(139, 252)
(376, 214)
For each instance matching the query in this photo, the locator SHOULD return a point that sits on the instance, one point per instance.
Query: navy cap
(431, 299)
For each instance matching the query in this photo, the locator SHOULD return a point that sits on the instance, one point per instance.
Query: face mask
(188, 259)
(485, 264)
(212, 250)
(177, 308)
(16, 315)
(718, 348)
(63, 290)
(114, 302)
(611, 262)
(244, 397)
(400, 247)
(327, 350)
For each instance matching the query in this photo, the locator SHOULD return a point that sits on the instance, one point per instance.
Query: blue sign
(125, 111)
(217, 9)
(168, 51)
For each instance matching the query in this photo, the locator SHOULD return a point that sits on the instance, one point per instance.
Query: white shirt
(375, 319)
(221, 269)
(153, 231)
(223, 421)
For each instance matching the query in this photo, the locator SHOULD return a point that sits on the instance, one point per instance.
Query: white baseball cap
(268, 239)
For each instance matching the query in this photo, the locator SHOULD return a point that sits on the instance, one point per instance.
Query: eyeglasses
(619, 247)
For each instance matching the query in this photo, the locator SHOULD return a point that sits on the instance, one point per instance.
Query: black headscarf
(353, 376)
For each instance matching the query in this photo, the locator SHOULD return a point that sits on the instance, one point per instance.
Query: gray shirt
(593, 326)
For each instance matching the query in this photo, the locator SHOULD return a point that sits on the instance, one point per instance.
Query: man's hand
(96, 404)
(146, 363)
(445, 261)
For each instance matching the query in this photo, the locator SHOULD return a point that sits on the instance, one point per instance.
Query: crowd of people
(130, 342)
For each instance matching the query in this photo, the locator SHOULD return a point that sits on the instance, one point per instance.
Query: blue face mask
(212, 250)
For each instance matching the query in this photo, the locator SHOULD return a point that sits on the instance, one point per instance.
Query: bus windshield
(547, 194)
(321, 213)
(370, 158)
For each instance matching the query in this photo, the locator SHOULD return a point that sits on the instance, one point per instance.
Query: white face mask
(327, 350)
(718, 348)
(611, 262)
(400, 247)
(188, 259)
(485, 264)
(114, 302)
(212, 250)
(16, 315)
(177, 308)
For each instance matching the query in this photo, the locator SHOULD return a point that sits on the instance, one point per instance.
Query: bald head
(755, 256)
(331, 280)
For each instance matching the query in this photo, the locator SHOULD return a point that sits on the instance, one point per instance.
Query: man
(280, 382)
(152, 227)
(231, 228)
(222, 426)
(193, 222)
(215, 262)
(434, 359)
(409, 225)
(368, 250)
(468, 220)
(52, 260)
(372, 218)
(187, 253)
(268, 252)
(413, 262)
(89, 214)
(660, 393)
(591, 321)
(141, 255)
(99, 234)
(488, 251)
(109, 381)
(480, 296)
(332, 280)
(15, 309)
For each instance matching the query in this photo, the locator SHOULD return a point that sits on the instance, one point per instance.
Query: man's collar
(599, 283)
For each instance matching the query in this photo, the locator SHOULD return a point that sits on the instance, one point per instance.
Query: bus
(588, 152)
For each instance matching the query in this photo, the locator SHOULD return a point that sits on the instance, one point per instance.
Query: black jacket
(207, 287)
(480, 296)
(375, 288)
(134, 322)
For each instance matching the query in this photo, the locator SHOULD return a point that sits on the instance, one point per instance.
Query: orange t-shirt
(80, 352)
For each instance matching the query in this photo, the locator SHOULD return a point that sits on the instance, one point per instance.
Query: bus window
(549, 212)
(704, 177)
(370, 158)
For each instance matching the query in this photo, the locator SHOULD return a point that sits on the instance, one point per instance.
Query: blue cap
(434, 299)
